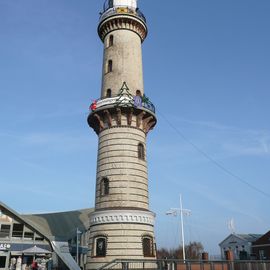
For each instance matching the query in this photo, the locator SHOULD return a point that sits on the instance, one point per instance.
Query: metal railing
(121, 10)
(121, 264)
(122, 102)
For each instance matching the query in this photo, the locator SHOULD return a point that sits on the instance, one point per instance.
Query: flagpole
(182, 228)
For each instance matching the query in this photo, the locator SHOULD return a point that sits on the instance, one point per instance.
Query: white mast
(181, 212)
(182, 228)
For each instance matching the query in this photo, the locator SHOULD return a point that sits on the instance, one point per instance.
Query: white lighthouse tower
(122, 226)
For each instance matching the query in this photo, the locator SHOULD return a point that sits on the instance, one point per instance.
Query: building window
(17, 231)
(3, 262)
(39, 237)
(100, 246)
(29, 236)
(108, 93)
(141, 154)
(148, 247)
(109, 66)
(104, 187)
(4, 231)
(110, 43)
(262, 254)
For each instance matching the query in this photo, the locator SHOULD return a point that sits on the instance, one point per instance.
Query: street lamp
(180, 211)
(77, 244)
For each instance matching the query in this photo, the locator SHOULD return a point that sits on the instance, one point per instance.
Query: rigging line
(220, 166)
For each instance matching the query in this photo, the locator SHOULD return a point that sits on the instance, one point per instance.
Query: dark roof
(263, 240)
(61, 225)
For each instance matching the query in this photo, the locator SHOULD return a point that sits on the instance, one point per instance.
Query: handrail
(121, 10)
(165, 264)
(107, 264)
(123, 101)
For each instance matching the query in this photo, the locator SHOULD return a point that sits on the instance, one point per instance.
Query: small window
(100, 246)
(108, 93)
(104, 187)
(109, 66)
(148, 247)
(141, 154)
(110, 41)
(39, 238)
(262, 254)
(17, 230)
(29, 235)
(5, 231)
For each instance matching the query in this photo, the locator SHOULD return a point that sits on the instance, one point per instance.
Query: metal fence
(126, 10)
(185, 265)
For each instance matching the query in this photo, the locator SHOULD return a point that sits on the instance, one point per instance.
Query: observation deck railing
(123, 101)
(110, 11)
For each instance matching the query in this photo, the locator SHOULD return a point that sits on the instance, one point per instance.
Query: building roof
(263, 240)
(21, 218)
(251, 237)
(56, 226)
(62, 225)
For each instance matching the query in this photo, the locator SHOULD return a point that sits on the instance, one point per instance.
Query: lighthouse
(122, 225)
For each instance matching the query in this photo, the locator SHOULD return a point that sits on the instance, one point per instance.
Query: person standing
(19, 263)
(12, 263)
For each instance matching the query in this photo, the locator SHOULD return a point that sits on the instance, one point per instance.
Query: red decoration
(93, 106)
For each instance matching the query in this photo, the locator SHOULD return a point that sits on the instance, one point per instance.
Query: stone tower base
(128, 234)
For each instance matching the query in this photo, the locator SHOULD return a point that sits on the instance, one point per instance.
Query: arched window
(109, 66)
(148, 246)
(141, 154)
(100, 246)
(110, 43)
(104, 187)
(108, 93)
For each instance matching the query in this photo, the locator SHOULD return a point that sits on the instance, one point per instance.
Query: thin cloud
(225, 141)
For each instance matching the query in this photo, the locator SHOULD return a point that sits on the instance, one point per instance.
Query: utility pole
(181, 212)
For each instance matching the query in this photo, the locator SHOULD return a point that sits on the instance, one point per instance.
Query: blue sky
(206, 68)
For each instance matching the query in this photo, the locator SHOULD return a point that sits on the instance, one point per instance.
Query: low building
(261, 247)
(56, 238)
(239, 245)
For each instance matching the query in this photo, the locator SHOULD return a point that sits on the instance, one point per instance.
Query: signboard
(4, 246)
